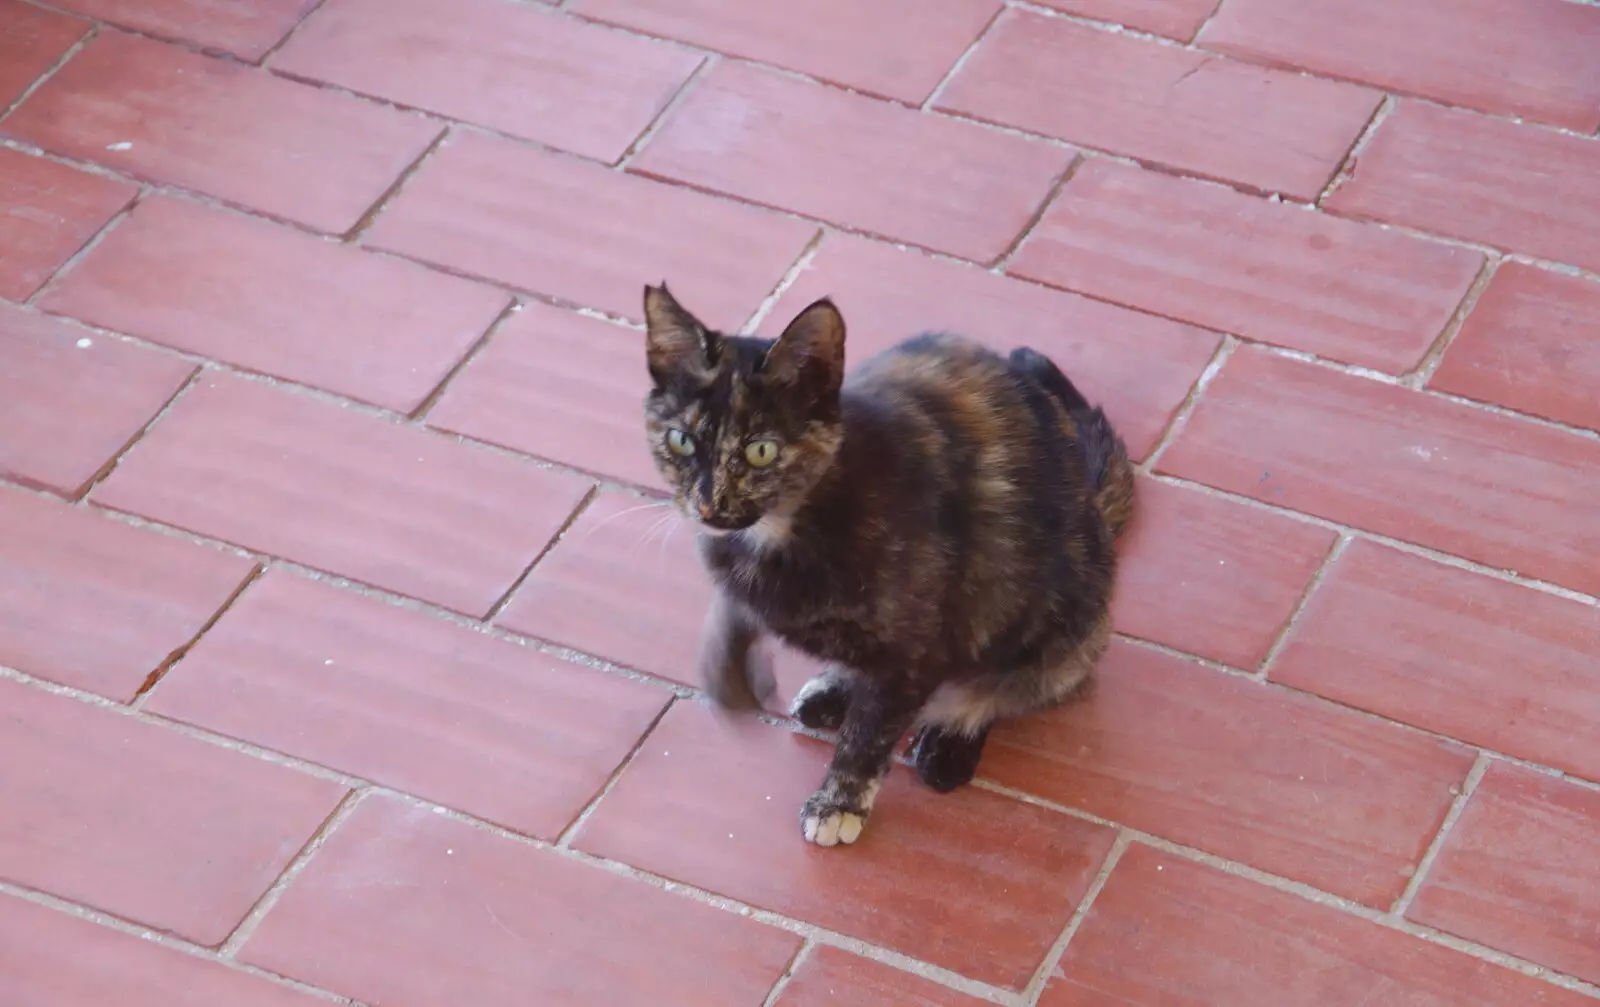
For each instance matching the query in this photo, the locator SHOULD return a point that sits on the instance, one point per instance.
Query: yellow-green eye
(760, 454)
(680, 443)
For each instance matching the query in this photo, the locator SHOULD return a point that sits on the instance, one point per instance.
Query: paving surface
(343, 655)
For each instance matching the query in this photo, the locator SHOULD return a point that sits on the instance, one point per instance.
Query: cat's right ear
(678, 348)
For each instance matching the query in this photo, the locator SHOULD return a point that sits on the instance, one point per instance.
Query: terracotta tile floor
(341, 659)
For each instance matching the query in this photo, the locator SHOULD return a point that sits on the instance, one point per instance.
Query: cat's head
(741, 428)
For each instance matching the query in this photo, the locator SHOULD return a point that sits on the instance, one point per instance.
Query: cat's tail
(1106, 461)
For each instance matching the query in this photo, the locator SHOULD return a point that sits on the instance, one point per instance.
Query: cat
(936, 526)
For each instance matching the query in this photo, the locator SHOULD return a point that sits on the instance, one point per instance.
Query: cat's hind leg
(879, 712)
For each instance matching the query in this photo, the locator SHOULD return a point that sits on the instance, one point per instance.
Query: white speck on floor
(85, 343)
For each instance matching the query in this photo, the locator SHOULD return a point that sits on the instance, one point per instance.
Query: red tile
(1400, 463)
(32, 39)
(355, 495)
(980, 884)
(1530, 58)
(410, 701)
(47, 212)
(1520, 872)
(1166, 932)
(95, 604)
(405, 908)
(1246, 771)
(1141, 368)
(246, 30)
(1266, 271)
(866, 47)
(230, 131)
(70, 400)
(1434, 646)
(829, 976)
(53, 959)
(142, 822)
(516, 68)
(869, 165)
(1178, 19)
(273, 299)
(1211, 576)
(625, 584)
(1267, 129)
(1516, 187)
(559, 385)
(572, 230)
(1531, 343)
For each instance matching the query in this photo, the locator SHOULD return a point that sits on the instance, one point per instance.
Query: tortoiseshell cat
(937, 526)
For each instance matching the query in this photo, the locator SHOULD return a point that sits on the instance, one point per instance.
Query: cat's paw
(944, 759)
(828, 821)
(822, 702)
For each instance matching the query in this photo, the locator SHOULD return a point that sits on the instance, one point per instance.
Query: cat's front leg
(879, 713)
(735, 672)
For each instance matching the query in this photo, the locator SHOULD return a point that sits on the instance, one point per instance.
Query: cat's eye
(760, 454)
(680, 443)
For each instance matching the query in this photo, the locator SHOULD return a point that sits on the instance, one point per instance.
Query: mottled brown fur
(938, 525)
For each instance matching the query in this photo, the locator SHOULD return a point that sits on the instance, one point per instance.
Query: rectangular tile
(865, 47)
(71, 400)
(1201, 114)
(1243, 770)
(246, 30)
(1479, 659)
(950, 186)
(1167, 931)
(1178, 19)
(410, 701)
(273, 299)
(408, 909)
(562, 386)
(514, 67)
(1517, 187)
(352, 494)
(1540, 64)
(980, 884)
(1270, 272)
(571, 230)
(1398, 462)
(55, 959)
(168, 115)
(142, 822)
(48, 211)
(33, 41)
(1532, 343)
(90, 602)
(1519, 872)
(1139, 367)
(829, 976)
(1211, 576)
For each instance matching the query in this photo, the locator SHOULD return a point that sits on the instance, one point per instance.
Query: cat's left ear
(810, 353)
(678, 347)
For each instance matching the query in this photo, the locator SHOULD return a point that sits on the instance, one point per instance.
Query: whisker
(624, 513)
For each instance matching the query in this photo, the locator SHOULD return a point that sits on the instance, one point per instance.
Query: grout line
(91, 33)
(955, 68)
(388, 195)
(71, 263)
(1205, 22)
(161, 939)
(1420, 375)
(801, 263)
(117, 459)
(1419, 874)
(1051, 193)
(564, 839)
(1052, 959)
(1347, 167)
(247, 927)
(668, 109)
(1186, 408)
(276, 47)
(420, 413)
(801, 954)
(1281, 641)
(1208, 663)
(155, 677)
(511, 592)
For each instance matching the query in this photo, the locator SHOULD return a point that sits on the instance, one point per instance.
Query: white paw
(833, 827)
